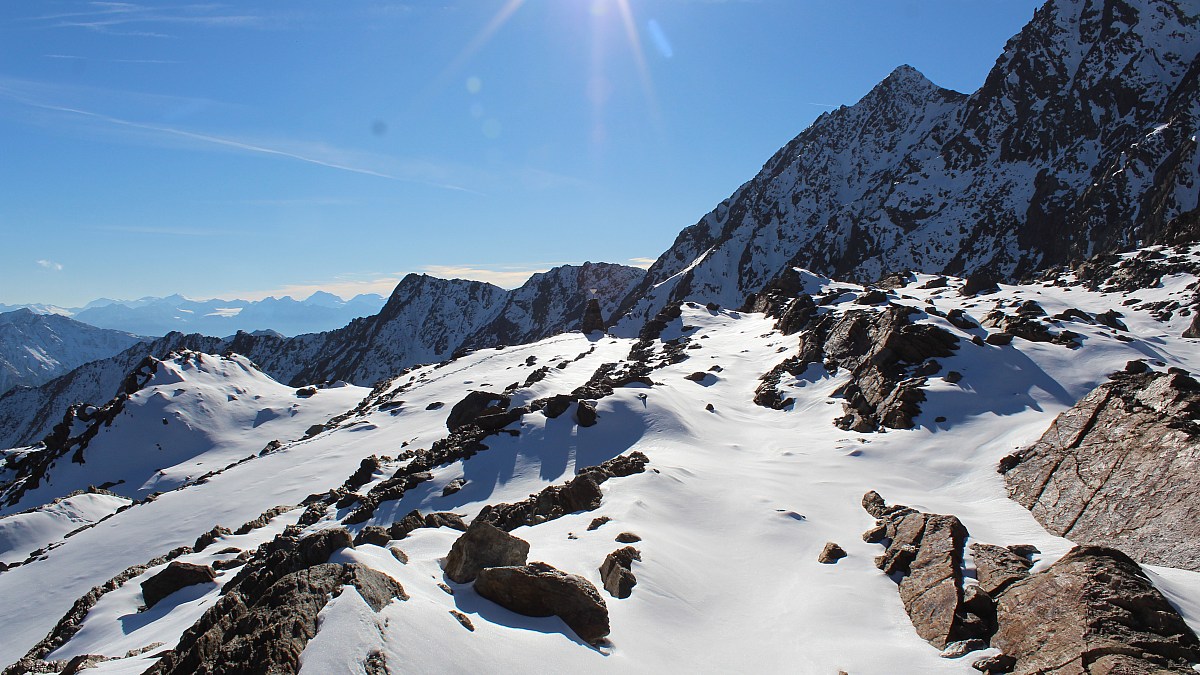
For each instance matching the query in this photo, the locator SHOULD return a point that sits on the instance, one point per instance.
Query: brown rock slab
(484, 545)
(539, 589)
(177, 575)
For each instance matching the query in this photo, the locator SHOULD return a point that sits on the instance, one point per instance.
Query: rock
(953, 377)
(483, 545)
(399, 554)
(697, 376)
(373, 534)
(585, 413)
(960, 319)
(997, 568)
(205, 540)
(1112, 319)
(597, 522)
(628, 538)
(445, 519)
(875, 534)
(593, 319)
(538, 589)
(463, 619)
(998, 339)
(936, 282)
(317, 547)
(831, 554)
(1193, 330)
(616, 572)
(400, 529)
(306, 392)
(872, 296)
(959, 649)
(1121, 468)
(1138, 366)
(979, 283)
(1000, 663)
(1093, 611)
(554, 406)
(453, 486)
(1026, 551)
(177, 575)
(482, 408)
(436, 405)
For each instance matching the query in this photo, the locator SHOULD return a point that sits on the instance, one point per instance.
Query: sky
(251, 149)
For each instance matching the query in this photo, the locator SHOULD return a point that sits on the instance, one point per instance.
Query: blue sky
(252, 149)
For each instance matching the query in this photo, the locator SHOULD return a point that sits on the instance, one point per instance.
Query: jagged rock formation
(1093, 611)
(1079, 141)
(36, 348)
(1121, 468)
(617, 572)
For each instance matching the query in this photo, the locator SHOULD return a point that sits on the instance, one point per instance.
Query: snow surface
(733, 509)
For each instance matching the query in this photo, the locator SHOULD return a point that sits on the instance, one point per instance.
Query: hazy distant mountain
(36, 348)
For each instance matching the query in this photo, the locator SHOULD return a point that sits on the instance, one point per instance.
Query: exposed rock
(1193, 330)
(979, 283)
(177, 575)
(872, 296)
(1121, 468)
(1000, 663)
(996, 568)
(1093, 611)
(1111, 319)
(205, 540)
(953, 377)
(553, 406)
(463, 619)
(936, 282)
(373, 534)
(538, 589)
(597, 522)
(831, 554)
(585, 413)
(581, 493)
(627, 538)
(616, 572)
(453, 486)
(483, 545)
(999, 339)
(483, 409)
(960, 319)
(445, 519)
(959, 649)
(926, 553)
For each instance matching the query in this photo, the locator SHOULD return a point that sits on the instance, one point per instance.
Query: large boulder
(537, 589)
(476, 405)
(616, 572)
(1093, 611)
(177, 575)
(1121, 468)
(483, 545)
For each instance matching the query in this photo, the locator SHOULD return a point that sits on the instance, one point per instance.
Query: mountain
(1080, 141)
(425, 320)
(691, 499)
(159, 316)
(36, 348)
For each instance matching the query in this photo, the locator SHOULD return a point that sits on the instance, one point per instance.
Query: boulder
(996, 567)
(205, 540)
(317, 547)
(585, 413)
(373, 534)
(445, 519)
(1093, 611)
(1121, 468)
(616, 572)
(177, 575)
(539, 589)
(484, 545)
(453, 486)
(475, 405)
(831, 554)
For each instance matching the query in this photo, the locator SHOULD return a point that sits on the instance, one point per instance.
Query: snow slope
(36, 348)
(732, 511)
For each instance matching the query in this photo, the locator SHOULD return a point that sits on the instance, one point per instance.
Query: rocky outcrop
(176, 576)
(581, 493)
(483, 545)
(484, 409)
(1121, 468)
(616, 572)
(997, 567)
(266, 632)
(1093, 611)
(537, 589)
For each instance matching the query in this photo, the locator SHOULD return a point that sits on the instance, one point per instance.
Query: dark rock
(463, 619)
(1193, 330)
(177, 575)
(1136, 367)
(373, 534)
(445, 519)
(366, 470)
(436, 405)
(483, 545)
(1112, 319)
(1026, 551)
(1030, 308)
(697, 376)
(597, 522)
(411, 521)
(476, 405)
(1093, 611)
(538, 589)
(453, 486)
(554, 406)
(956, 650)
(979, 283)
(936, 282)
(872, 296)
(997, 568)
(1000, 663)
(875, 534)
(205, 540)
(317, 547)
(585, 413)
(616, 572)
(831, 554)
(960, 319)
(593, 319)
(628, 538)
(306, 392)
(1120, 468)
(998, 339)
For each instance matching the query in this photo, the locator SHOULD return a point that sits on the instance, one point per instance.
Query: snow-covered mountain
(1081, 140)
(699, 539)
(38, 347)
(425, 320)
(158, 316)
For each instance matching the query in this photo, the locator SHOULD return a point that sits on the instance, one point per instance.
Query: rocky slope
(425, 320)
(1081, 140)
(36, 348)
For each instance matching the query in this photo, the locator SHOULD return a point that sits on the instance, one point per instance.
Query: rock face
(1093, 611)
(617, 571)
(1079, 141)
(483, 545)
(1121, 468)
(538, 589)
(176, 576)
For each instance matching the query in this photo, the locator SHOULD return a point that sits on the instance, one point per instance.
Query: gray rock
(538, 589)
(959, 649)
(177, 575)
(484, 545)
(616, 572)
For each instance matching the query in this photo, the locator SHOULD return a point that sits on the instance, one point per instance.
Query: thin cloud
(73, 57)
(643, 263)
(506, 277)
(50, 265)
(342, 287)
(145, 20)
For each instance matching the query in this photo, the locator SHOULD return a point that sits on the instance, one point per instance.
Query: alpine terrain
(918, 398)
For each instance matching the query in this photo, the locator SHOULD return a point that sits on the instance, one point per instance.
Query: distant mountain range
(36, 348)
(158, 316)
